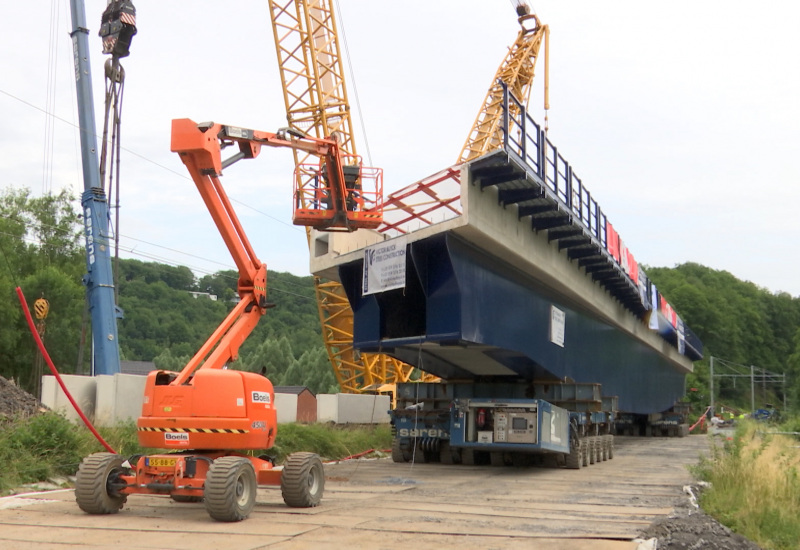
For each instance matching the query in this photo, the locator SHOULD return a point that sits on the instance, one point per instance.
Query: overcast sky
(682, 119)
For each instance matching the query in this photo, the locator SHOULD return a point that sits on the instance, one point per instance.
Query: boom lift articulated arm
(200, 147)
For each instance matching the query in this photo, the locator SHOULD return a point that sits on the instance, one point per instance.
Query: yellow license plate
(162, 462)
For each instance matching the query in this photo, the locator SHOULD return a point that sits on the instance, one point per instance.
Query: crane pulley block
(117, 27)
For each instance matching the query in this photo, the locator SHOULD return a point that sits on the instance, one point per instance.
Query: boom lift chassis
(206, 414)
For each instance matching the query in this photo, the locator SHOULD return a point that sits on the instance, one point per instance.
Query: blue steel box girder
(447, 320)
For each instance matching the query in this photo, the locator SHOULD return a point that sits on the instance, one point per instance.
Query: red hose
(55, 372)
(359, 455)
(701, 421)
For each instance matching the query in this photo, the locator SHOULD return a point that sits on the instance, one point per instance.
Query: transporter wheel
(471, 457)
(94, 491)
(186, 498)
(499, 459)
(398, 455)
(610, 439)
(448, 455)
(574, 460)
(230, 492)
(584, 448)
(302, 480)
(591, 444)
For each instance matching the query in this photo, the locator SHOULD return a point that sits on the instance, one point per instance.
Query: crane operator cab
(346, 201)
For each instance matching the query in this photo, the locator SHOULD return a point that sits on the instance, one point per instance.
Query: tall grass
(329, 441)
(755, 489)
(47, 445)
(38, 448)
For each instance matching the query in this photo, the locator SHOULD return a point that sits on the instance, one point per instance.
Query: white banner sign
(557, 325)
(384, 266)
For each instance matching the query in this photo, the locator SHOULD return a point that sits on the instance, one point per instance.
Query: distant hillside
(737, 321)
(169, 314)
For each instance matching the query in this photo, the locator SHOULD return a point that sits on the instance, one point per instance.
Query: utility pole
(711, 385)
(98, 279)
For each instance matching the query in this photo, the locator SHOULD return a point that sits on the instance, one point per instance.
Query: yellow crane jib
(516, 71)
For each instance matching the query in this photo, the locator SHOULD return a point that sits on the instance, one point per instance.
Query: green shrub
(39, 447)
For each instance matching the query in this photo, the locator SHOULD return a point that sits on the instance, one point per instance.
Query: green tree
(736, 320)
(167, 361)
(221, 284)
(40, 240)
(272, 356)
(313, 370)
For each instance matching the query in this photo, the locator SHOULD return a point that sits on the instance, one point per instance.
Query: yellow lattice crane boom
(315, 94)
(517, 72)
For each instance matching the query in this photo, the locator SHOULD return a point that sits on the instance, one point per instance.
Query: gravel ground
(15, 401)
(689, 528)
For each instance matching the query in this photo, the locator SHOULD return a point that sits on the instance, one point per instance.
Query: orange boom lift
(206, 413)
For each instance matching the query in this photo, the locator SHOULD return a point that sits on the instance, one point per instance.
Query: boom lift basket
(314, 197)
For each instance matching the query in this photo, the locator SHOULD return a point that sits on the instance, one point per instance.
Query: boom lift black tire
(92, 492)
(230, 492)
(302, 480)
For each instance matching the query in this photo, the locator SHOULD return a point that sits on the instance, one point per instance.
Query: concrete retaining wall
(82, 388)
(112, 399)
(346, 408)
(118, 399)
(107, 400)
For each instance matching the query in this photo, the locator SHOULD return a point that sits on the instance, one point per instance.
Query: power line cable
(353, 80)
(146, 159)
(160, 259)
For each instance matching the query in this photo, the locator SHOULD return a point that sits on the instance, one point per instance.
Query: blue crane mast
(98, 278)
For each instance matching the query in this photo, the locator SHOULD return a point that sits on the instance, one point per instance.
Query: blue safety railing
(524, 138)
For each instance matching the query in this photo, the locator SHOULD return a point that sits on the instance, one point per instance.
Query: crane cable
(115, 87)
(50, 100)
(343, 34)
